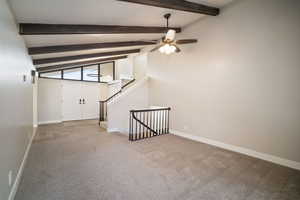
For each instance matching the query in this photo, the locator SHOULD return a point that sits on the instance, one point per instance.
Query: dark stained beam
(76, 64)
(79, 47)
(57, 29)
(83, 56)
(179, 5)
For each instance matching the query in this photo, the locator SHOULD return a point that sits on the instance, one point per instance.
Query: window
(72, 74)
(56, 75)
(107, 72)
(84, 73)
(90, 73)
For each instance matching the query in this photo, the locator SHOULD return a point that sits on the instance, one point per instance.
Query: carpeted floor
(80, 161)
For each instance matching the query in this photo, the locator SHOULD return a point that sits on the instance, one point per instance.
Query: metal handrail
(108, 99)
(151, 109)
(103, 103)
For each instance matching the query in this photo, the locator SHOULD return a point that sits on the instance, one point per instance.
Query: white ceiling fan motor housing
(170, 35)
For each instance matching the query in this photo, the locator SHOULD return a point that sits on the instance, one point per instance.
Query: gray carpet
(80, 161)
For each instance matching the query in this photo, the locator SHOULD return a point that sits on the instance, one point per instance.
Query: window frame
(61, 75)
(81, 69)
(69, 79)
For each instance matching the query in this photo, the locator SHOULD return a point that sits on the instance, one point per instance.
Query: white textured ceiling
(75, 61)
(91, 51)
(102, 12)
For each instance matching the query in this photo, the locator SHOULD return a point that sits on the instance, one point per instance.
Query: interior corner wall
(124, 68)
(35, 101)
(140, 63)
(16, 107)
(49, 101)
(135, 97)
(239, 84)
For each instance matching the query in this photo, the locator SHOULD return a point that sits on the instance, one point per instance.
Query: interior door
(71, 107)
(90, 92)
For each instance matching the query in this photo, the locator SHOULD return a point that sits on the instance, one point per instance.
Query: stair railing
(103, 104)
(148, 123)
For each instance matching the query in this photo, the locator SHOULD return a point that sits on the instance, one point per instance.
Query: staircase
(103, 104)
(118, 113)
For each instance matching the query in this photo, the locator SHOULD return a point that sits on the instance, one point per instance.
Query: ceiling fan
(168, 44)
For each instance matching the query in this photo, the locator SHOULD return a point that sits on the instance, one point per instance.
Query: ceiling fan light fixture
(168, 44)
(162, 49)
(173, 48)
(167, 49)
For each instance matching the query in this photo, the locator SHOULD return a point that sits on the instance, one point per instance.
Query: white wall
(104, 91)
(240, 83)
(135, 97)
(16, 99)
(35, 102)
(114, 87)
(140, 63)
(124, 68)
(49, 101)
(135, 66)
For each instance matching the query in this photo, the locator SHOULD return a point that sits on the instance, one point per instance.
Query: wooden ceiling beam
(83, 56)
(179, 5)
(58, 29)
(80, 47)
(77, 64)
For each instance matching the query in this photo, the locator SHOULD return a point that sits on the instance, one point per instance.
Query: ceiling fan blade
(150, 41)
(157, 47)
(186, 41)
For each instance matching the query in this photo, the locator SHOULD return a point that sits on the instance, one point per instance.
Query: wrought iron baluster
(148, 123)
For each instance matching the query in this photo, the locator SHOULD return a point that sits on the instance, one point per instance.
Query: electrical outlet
(24, 78)
(9, 178)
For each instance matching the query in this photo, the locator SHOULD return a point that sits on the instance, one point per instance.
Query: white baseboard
(110, 130)
(49, 122)
(15, 186)
(249, 152)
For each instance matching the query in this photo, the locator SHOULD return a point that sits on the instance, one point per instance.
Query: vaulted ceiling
(96, 12)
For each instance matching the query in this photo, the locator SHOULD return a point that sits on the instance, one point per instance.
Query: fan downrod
(167, 17)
